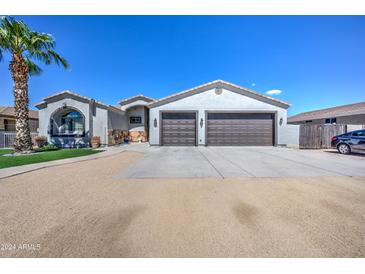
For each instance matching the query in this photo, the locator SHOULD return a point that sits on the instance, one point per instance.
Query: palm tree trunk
(19, 71)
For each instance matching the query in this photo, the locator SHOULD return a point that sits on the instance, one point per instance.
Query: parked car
(347, 142)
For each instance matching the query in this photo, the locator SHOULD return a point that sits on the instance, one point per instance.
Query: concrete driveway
(80, 210)
(236, 162)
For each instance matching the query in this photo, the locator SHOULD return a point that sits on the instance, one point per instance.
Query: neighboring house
(7, 125)
(215, 113)
(7, 119)
(352, 115)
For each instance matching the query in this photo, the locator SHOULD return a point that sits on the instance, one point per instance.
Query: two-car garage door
(222, 129)
(240, 129)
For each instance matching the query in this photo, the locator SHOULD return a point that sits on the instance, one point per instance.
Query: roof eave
(39, 104)
(113, 108)
(68, 92)
(135, 98)
(299, 119)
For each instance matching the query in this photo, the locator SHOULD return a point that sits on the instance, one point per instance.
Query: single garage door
(178, 129)
(240, 129)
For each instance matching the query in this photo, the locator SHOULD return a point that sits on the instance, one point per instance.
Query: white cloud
(274, 92)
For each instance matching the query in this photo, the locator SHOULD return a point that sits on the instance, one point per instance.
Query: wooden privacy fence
(7, 138)
(319, 136)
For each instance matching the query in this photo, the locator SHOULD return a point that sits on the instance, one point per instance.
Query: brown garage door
(240, 129)
(178, 129)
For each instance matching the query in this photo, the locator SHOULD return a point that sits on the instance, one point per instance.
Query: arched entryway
(67, 122)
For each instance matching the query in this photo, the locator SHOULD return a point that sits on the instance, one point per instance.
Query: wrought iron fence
(7, 138)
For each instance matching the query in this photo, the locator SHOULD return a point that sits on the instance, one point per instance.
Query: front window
(135, 120)
(72, 122)
(331, 121)
(67, 123)
(9, 125)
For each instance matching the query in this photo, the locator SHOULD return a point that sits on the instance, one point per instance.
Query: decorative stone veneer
(138, 136)
(116, 136)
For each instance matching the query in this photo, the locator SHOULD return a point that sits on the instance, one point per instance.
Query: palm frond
(41, 56)
(4, 41)
(17, 38)
(41, 41)
(58, 59)
(33, 68)
(14, 34)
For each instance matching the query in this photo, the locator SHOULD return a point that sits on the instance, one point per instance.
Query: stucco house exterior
(70, 120)
(213, 114)
(137, 114)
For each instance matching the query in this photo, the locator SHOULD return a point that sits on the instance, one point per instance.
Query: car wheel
(344, 149)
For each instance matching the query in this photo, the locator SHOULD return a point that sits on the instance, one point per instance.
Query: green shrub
(49, 147)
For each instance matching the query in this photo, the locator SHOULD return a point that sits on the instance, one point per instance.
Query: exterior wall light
(64, 105)
(281, 121)
(201, 122)
(155, 122)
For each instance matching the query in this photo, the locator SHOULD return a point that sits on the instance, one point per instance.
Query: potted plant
(40, 141)
(95, 141)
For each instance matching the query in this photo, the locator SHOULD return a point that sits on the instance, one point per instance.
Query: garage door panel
(179, 122)
(240, 129)
(239, 122)
(179, 141)
(227, 130)
(177, 135)
(178, 129)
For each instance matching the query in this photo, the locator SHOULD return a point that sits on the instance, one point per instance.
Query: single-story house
(7, 119)
(215, 113)
(352, 115)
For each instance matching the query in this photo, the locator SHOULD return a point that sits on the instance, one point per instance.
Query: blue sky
(317, 61)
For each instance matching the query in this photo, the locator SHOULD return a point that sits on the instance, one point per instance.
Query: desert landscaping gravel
(83, 210)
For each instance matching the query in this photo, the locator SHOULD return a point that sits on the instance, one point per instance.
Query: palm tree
(25, 47)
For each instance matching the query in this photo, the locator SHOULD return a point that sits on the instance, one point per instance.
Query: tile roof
(10, 111)
(344, 110)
